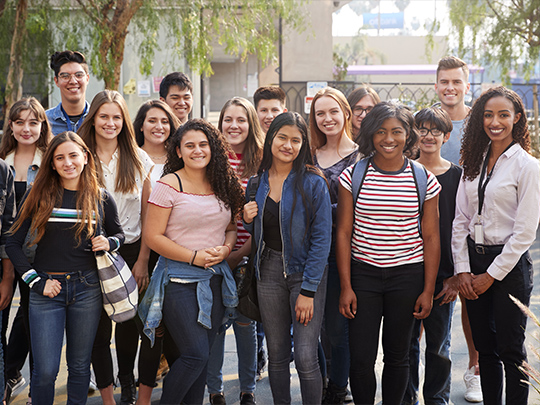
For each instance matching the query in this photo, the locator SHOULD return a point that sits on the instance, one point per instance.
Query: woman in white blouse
(497, 214)
(124, 170)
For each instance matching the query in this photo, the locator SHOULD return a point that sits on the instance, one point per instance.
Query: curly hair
(375, 119)
(475, 140)
(219, 172)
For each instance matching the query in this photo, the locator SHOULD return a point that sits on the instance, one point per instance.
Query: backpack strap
(179, 182)
(358, 175)
(420, 179)
(253, 187)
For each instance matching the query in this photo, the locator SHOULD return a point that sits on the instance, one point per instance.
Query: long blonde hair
(47, 192)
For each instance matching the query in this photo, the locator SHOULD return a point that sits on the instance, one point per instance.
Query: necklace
(157, 157)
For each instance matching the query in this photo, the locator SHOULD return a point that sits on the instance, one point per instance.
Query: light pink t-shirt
(197, 221)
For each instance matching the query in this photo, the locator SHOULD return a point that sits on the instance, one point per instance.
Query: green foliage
(504, 33)
(356, 52)
(340, 68)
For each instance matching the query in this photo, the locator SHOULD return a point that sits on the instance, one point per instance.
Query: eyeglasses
(358, 111)
(434, 131)
(66, 77)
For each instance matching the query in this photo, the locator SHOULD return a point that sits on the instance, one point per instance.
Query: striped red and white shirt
(238, 167)
(385, 230)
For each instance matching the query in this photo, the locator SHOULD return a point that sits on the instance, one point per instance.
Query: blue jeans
(76, 309)
(438, 367)
(186, 380)
(388, 293)
(245, 333)
(336, 328)
(498, 329)
(277, 299)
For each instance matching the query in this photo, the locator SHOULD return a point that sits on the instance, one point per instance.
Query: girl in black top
(61, 210)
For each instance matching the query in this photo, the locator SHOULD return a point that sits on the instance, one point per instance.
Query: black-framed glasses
(434, 131)
(358, 111)
(66, 77)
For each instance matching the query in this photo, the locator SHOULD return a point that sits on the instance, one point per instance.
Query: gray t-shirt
(450, 150)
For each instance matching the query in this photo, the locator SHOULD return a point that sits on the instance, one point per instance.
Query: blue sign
(387, 20)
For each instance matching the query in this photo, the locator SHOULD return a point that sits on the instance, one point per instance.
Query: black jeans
(126, 336)
(498, 329)
(390, 293)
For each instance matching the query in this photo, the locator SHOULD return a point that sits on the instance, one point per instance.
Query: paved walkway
(263, 393)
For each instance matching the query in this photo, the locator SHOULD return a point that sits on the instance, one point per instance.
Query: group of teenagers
(357, 222)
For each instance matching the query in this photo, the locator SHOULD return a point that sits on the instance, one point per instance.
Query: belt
(485, 249)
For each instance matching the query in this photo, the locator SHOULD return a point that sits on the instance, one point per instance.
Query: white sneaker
(473, 390)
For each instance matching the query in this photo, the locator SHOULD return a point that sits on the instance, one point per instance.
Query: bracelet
(193, 256)
(227, 246)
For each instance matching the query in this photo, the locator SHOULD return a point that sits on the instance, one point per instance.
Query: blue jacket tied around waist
(150, 308)
(306, 235)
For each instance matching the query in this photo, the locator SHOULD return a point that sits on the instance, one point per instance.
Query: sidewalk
(263, 393)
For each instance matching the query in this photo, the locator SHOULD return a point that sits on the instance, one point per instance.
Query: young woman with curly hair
(124, 170)
(291, 221)
(387, 267)
(497, 213)
(61, 210)
(191, 224)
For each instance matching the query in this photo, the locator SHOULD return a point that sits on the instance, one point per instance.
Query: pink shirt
(197, 221)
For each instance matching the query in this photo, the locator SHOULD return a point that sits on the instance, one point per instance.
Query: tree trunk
(14, 88)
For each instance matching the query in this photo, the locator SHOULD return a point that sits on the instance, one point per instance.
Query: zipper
(281, 234)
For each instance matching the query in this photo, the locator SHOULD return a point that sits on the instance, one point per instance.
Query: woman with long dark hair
(62, 210)
(291, 221)
(191, 224)
(497, 213)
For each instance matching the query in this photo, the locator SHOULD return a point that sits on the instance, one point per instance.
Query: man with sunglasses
(71, 77)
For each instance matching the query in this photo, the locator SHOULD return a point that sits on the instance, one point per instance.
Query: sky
(345, 22)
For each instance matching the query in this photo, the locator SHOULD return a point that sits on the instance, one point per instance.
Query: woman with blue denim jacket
(191, 224)
(291, 221)
(22, 147)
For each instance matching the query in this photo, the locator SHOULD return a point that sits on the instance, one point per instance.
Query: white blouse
(510, 213)
(128, 204)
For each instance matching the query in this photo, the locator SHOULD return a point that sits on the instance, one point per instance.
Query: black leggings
(126, 336)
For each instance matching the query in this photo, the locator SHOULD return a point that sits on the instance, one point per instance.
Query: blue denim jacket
(59, 122)
(151, 306)
(306, 241)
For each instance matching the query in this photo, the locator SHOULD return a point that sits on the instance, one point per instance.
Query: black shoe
(334, 395)
(12, 385)
(217, 399)
(247, 398)
(129, 392)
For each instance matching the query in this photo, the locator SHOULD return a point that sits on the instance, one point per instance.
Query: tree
(503, 32)
(244, 27)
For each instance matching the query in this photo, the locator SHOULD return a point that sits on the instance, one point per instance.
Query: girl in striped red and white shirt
(380, 252)
(239, 123)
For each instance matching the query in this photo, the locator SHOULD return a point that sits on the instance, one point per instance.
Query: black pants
(390, 293)
(126, 336)
(498, 329)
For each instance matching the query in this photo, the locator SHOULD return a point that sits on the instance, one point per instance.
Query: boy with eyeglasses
(71, 77)
(434, 126)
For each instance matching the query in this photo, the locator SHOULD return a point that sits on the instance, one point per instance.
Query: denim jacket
(306, 241)
(151, 306)
(58, 120)
(31, 174)
(7, 204)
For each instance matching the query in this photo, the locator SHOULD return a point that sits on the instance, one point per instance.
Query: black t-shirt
(271, 228)
(449, 181)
